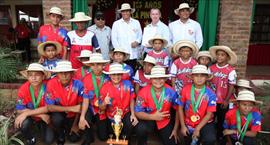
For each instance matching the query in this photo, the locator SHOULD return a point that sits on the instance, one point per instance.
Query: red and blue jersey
(207, 104)
(230, 121)
(145, 103)
(162, 57)
(140, 79)
(69, 95)
(120, 96)
(78, 43)
(81, 73)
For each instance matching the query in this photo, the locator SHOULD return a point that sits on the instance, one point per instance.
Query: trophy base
(120, 142)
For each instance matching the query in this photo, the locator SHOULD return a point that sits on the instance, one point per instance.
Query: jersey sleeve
(212, 102)
(232, 77)
(95, 42)
(136, 77)
(173, 70)
(140, 104)
(256, 123)
(20, 102)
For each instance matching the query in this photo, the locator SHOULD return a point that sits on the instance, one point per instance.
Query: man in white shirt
(127, 34)
(185, 28)
(156, 27)
(103, 34)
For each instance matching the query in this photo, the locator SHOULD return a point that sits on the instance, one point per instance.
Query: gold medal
(198, 117)
(96, 103)
(238, 143)
(193, 118)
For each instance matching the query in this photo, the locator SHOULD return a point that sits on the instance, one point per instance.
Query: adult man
(154, 28)
(127, 33)
(185, 28)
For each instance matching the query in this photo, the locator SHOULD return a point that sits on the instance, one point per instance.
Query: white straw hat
(158, 72)
(247, 95)
(204, 53)
(63, 66)
(41, 46)
(243, 83)
(56, 10)
(185, 43)
(126, 6)
(115, 68)
(199, 69)
(158, 37)
(184, 6)
(150, 59)
(233, 57)
(80, 17)
(96, 58)
(120, 50)
(85, 53)
(35, 67)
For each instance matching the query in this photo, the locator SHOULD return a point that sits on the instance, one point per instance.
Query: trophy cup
(117, 126)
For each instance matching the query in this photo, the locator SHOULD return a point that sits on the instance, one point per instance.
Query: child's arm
(83, 122)
(175, 128)
(137, 88)
(173, 82)
(57, 108)
(184, 129)
(133, 118)
(204, 121)
(229, 94)
(65, 53)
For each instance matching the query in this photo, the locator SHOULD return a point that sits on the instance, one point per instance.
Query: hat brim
(46, 73)
(209, 76)
(232, 55)
(80, 20)
(90, 62)
(142, 62)
(165, 42)
(191, 10)
(131, 9)
(115, 72)
(182, 43)
(66, 70)
(127, 55)
(245, 86)
(205, 55)
(157, 76)
(41, 47)
(56, 13)
(255, 101)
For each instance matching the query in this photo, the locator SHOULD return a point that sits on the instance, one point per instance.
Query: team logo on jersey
(220, 75)
(184, 70)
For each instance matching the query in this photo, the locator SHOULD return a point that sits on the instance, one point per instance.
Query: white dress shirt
(151, 30)
(191, 30)
(104, 39)
(124, 33)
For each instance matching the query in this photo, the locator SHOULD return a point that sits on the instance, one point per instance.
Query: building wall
(234, 29)
(65, 5)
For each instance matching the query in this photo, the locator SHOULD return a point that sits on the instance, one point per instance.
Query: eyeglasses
(100, 19)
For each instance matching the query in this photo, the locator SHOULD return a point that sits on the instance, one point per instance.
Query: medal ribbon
(195, 105)
(82, 72)
(41, 90)
(96, 88)
(66, 98)
(160, 101)
(242, 131)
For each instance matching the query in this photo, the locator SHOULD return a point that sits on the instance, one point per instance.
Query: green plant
(8, 69)
(5, 139)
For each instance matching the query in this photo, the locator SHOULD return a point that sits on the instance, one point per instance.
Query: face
(184, 14)
(100, 22)
(222, 56)
(55, 19)
(158, 82)
(50, 52)
(204, 60)
(245, 107)
(155, 15)
(157, 45)
(84, 59)
(118, 57)
(35, 77)
(65, 77)
(126, 14)
(199, 79)
(116, 78)
(147, 67)
(185, 52)
(81, 25)
(97, 68)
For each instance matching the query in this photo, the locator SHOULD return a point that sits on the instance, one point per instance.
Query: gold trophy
(117, 128)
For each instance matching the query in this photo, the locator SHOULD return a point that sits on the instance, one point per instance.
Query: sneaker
(31, 141)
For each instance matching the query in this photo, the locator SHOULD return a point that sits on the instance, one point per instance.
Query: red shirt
(46, 33)
(89, 92)
(145, 103)
(208, 104)
(70, 95)
(79, 73)
(23, 31)
(120, 97)
(162, 58)
(140, 79)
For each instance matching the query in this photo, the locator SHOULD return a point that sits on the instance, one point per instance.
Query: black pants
(133, 63)
(246, 141)
(220, 114)
(47, 133)
(207, 135)
(24, 44)
(145, 127)
(62, 126)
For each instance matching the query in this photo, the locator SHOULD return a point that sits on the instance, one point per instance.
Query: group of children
(190, 95)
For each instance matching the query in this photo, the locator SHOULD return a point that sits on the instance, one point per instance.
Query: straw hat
(115, 68)
(204, 53)
(158, 37)
(150, 59)
(63, 66)
(120, 50)
(232, 55)
(96, 58)
(158, 72)
(56, 10)
(185, 43)
(243, 83)
(35, 67)
(56, 44)
(80, 17)
(85, 53)
(247, 95)
(184, 6)
(126, 6)
(200, 69)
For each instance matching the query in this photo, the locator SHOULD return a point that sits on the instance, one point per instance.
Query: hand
(134, 44)
(134, 120)
(19, 120)
(41, 60)
(45, 118)
(174, 134)
(196, 133)
(76, 109)
(184, 131)
(74, 129)
(82, 123)
(107, 99)
(229, 132)
(160, 115)
(225, 104)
